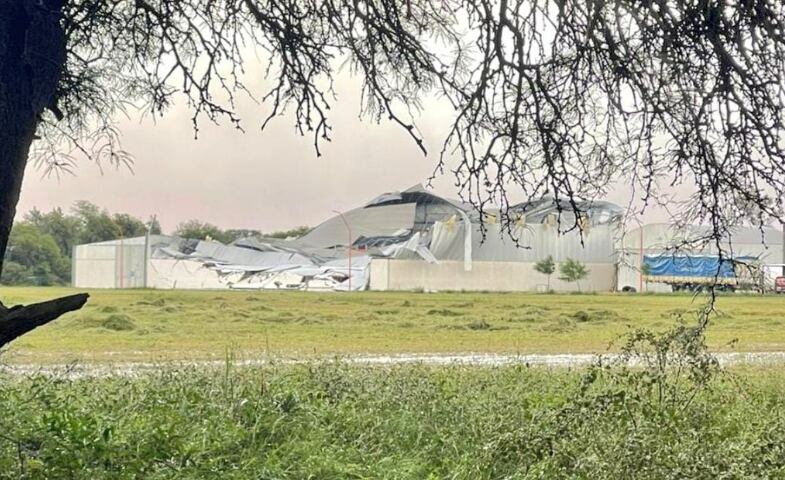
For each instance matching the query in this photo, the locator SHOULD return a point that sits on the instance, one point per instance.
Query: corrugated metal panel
(537, 242)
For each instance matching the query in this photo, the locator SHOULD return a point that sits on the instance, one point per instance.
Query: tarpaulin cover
(688, 266)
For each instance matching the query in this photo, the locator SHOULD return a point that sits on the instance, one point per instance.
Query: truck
(695, 272)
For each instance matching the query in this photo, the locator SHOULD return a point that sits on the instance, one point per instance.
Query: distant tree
(646, 271)
(128, 225)
(546, 266)
(35, 258)
(154, 226)
(573, 271)
(295, 232)
(96, 225)
(65, 229)
(233, 234)
(201, 231)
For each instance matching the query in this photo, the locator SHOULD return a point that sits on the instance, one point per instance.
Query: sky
(267, 180)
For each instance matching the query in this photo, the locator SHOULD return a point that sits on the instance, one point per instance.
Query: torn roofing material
(411, 224)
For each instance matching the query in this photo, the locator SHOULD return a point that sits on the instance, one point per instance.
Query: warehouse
(413, 240)
(765, 246)
(408, 240)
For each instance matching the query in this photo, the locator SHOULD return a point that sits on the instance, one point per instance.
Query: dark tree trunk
(32, 57)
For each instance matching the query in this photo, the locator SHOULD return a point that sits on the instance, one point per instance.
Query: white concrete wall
(491, 276)
(94, 266)
(108, 265)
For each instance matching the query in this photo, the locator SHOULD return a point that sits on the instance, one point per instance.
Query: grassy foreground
(147, 325)
(333, 421)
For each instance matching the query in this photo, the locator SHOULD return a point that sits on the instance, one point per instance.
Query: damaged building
(408, 240)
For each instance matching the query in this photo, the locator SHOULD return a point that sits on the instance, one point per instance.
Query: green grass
(334, 421)
(146, 325)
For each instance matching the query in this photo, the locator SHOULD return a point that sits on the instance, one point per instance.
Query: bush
(662, 409)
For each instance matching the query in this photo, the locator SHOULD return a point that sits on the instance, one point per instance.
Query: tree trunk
(32, 58)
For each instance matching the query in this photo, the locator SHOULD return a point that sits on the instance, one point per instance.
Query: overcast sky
(267, 180)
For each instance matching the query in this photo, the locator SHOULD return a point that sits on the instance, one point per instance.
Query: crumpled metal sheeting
(537, 211)
(415, 247)
(230, 255)
(331, 276)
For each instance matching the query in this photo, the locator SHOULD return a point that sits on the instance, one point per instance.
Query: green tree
(546, 266)
(154, 225)
(201, 231)
(128, 225)
(573, 271)
(35, 258)
(65, 229)
(233, 234)
(295, 232)
(96, 225)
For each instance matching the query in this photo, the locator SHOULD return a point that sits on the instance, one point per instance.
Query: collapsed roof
(411, 224)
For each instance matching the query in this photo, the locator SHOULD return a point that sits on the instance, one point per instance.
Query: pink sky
(267, 180)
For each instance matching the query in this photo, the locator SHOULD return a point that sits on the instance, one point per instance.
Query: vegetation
(529, 87)
(573, 271)
(41, 245)
(333, 420)
(546, 266)
(204, 231)
(203, 325)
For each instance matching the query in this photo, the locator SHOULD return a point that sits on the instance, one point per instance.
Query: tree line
(41, 244)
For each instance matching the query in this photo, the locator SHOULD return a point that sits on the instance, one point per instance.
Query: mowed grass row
(333, 421)
(147, 325)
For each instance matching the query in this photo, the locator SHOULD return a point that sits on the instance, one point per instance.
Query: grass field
(145, 325)
(335, 420)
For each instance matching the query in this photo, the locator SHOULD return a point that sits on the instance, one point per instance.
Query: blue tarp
(690, 266)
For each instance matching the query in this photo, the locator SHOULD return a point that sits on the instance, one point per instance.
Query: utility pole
(348, 229)
(147, 251)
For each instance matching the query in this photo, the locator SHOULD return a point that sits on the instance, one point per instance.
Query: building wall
(389, 274)
(108, 265)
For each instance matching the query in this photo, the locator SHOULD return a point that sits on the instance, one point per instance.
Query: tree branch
(20, 319)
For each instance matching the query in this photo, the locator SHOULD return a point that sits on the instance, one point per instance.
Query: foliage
(572, 270)
(96, 225)
(295, 232)
(64, 228)
(34, 258)
(530, 84)
(201, 231)
(129, 226)
(546, 266)
(338, 420)
(31, 258)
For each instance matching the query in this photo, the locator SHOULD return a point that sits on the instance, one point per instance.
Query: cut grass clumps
(119, 322)
(156, 302)
(479, 325)
(595, 315)
(444, 312)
